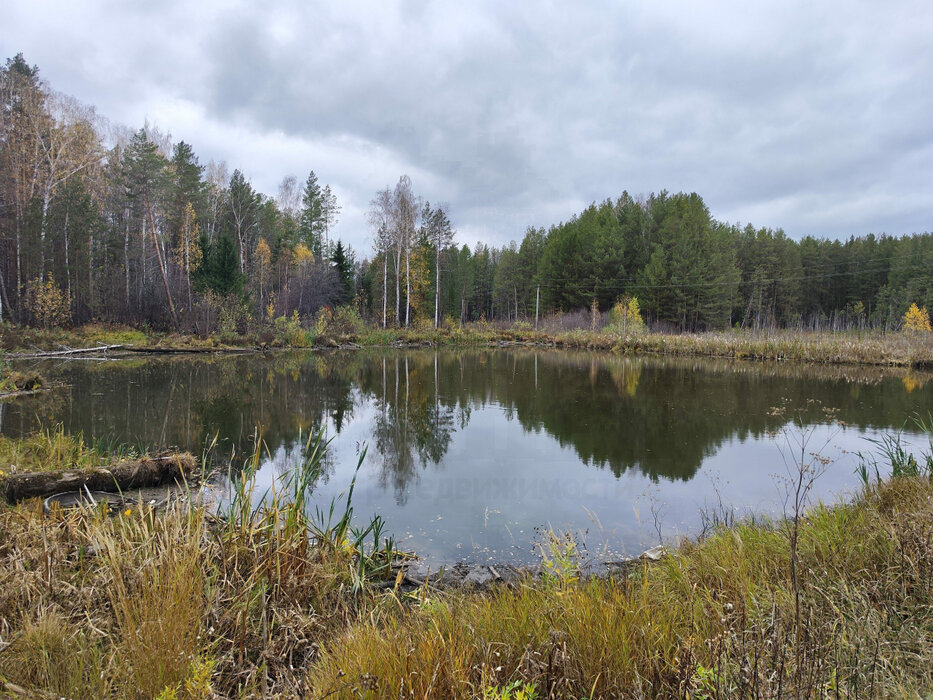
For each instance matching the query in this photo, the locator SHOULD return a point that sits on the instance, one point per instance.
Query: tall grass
(844, 608)
(572, 330)
(159, 606)
(52, 448)
(714, 619)
(28, 339)
(893, 453)
(885, 349)
(188, 602)
(266, 597)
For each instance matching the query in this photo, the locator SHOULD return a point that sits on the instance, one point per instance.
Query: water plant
(253, 601)
(893, 453)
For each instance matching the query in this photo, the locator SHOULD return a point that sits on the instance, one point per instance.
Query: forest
(100, 222)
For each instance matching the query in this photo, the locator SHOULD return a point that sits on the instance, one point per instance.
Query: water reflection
(514, 437)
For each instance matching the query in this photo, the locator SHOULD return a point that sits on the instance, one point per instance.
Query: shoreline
(912, 351)
(330, 617)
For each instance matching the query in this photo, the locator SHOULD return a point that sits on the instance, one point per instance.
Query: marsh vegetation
(834, 600)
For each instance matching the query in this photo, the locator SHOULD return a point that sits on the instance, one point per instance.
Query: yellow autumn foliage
(917, 320)
(625, 316)
(47, 303)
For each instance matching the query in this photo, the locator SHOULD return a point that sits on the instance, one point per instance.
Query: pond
(470, 454)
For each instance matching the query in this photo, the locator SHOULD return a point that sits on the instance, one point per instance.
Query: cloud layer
(813, 117)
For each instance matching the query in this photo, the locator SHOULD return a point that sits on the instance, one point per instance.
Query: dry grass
(181, 603)
(715, 619)
(844, 347)
(90, 335)
(841, 348)
(13, 382)
(267, 601)
(896, 349)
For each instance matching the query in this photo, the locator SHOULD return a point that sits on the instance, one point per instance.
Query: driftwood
(26, 392)
(72, 353)
(61, 353)
(152, 471)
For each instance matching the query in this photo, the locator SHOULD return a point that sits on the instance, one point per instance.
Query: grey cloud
(813, 117)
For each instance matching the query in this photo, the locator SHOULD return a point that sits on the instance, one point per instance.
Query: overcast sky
(815, 117)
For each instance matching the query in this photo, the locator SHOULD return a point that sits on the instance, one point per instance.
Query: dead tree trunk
(118, 477)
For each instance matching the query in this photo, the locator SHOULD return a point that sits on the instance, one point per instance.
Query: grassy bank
(835, 603)
(851, 347)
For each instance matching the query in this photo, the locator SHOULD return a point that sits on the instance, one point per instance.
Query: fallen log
(61, 353)
(27, 392)
(149, 471)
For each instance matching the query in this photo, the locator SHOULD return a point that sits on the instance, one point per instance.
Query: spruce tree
(344, 269)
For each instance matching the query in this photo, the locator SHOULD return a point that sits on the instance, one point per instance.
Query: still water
(470, 453)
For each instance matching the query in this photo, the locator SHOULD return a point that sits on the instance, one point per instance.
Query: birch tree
(68, 144)
(407, 211)
(242, 206)
(441, 236)
(381, 217)
(217, 176)
(188, 251)
(288, 198)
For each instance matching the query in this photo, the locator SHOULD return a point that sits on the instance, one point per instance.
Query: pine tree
(311, 216)
(186, 187)
(330, 213)
(145, 180)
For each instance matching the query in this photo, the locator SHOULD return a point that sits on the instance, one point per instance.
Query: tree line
(103, 223)
(99, 222)
(688, 271)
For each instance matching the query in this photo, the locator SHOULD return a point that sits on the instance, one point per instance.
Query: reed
(866, 347)
(725, 616)
(53, 449)
(190, 602)
(269, 596)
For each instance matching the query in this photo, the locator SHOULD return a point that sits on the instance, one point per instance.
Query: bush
(30, 380)
(233, 316)
(917, 320)
(342, 321)
(47, 303)
(423, 324)
(625, 316)
(288, 331)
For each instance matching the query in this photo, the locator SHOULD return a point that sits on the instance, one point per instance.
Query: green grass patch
(52, 449)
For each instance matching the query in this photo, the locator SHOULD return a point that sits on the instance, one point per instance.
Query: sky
(813, 117)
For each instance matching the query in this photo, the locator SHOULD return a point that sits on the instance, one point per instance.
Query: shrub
(234, 316)
(48, 304)
(625, 316)
(917, 320)
(423, 324)
(342, 321)
(288, 331)
(28, 380)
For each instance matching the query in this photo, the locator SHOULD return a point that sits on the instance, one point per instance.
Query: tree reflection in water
(660, 416)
